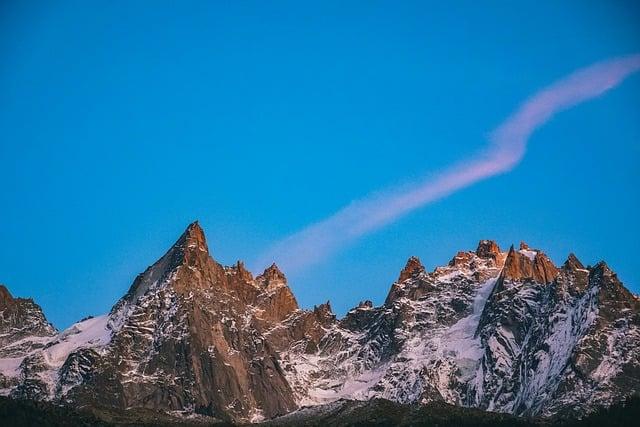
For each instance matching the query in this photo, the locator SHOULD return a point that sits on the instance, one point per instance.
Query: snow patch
(91, 333)
(528, 253)
(10, 366)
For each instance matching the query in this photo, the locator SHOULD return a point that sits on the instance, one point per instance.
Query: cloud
(506, 149)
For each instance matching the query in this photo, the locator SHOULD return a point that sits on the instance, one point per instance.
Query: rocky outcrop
(411, 269)
(488, 249)
(527, 264)
(276, 301)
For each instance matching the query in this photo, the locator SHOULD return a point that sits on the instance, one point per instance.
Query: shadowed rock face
(554, 339)
(605, 364)
(503, 331)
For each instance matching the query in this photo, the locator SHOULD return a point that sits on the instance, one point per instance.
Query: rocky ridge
(500, 331)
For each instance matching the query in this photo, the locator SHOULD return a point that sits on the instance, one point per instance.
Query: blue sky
(122, 122)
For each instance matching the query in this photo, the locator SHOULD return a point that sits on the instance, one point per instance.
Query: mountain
(24, 331)
(506, 332)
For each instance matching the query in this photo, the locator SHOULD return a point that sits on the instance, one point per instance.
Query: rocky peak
(572, 263)
(193, 239)
(276, 299)
(545, 270)
(528, 264)
(488, 249)
(607, 278)
(189, 250)
(602, 269)
(614, 298)
(413, 267)
(20, 318)
(323, 314)
(461, 258)
(273, 273)
(514, 264)
(324, 310)
(272, 278)
(574, 278)
(242, 271)
(524, 246)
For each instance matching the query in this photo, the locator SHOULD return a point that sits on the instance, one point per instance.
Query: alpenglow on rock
(500, 331)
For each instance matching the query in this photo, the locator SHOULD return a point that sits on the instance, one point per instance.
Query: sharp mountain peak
(573, 263)
(413, 266)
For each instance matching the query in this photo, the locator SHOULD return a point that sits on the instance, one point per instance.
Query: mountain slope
(499, 331)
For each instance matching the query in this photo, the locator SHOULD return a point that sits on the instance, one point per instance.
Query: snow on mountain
(413, 347)
(500, 331)
(494, 330)
(29, 366)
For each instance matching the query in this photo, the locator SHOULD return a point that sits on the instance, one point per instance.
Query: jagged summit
(527, 264)
(323, 313)
(324, 307)
(603, 267)
(193, 238)
(273, 273)
(413, 267)
(21, 321)
(461, 258)
(488, 249)
(572, 263)
(194, 229)
(242, 271)
(189, 254)
(272, 278)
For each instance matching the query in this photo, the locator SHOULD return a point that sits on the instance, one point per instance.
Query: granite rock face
(493, 330)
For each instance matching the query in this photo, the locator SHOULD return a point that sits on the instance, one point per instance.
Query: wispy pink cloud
(506, 149)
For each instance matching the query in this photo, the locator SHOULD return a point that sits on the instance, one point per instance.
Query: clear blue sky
(121, 122)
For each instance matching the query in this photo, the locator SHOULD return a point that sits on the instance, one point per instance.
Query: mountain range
(506, 332)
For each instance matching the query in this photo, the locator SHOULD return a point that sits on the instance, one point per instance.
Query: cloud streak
(505, 150)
